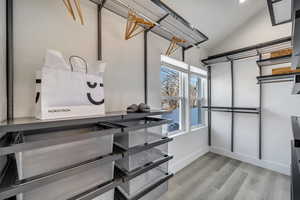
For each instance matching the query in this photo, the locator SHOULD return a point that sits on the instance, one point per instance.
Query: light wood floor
(214, 177)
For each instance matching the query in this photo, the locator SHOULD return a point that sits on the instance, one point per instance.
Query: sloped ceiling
(216, 18)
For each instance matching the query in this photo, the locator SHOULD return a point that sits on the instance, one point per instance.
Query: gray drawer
(138, 137)
(35, 162)
(41, 138)
(132, 187)
(73, 185)
(134, 161)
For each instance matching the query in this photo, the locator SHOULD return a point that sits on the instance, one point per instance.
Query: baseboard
(277, 167)
(184, 162)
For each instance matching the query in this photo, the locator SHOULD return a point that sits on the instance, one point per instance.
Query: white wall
(2, 61)
(257, 30)
(46, 24)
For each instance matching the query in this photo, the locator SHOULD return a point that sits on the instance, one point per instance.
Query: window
(173, 79)
(182, 94)
(196, 97)
(172, 97)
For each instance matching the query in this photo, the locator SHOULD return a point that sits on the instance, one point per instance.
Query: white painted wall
(278, 103)
(257, 30)
(2, 61)
(45, 24)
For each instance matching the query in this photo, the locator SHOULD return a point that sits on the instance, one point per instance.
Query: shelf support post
(146, 66)
(9, 59)
(260, 114)
(232, 104)
(209, 103)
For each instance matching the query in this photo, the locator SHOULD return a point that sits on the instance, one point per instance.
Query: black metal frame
(272, 15)
(209, 104)
(232, 104)
(9, 58)
(260, 114)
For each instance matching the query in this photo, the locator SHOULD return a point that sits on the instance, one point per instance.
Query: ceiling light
(242, 1)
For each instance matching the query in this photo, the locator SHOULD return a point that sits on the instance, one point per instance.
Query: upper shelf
(274, 61)
(23, 124)
(251, 51)
(168, 23)
(280, 11)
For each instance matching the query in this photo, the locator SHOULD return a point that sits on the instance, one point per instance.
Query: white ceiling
(216, 18)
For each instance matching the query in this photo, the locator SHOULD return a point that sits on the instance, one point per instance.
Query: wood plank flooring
(214, 177)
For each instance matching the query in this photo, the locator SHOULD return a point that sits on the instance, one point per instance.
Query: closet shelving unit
(247, 52)
(168, 24)
(276, 78)
(274, 61)
(100, 126)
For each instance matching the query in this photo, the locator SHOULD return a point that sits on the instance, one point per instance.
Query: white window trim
(184, 114)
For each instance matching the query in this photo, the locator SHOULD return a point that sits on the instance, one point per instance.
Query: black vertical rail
(232, 105)
(183, 54)
(209, 103)
(99, 21)
(260, 115)
(9, 59)
(146, 66)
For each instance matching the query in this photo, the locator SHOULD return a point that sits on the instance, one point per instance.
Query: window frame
(186, 71)
(201, 97)
(183, 76)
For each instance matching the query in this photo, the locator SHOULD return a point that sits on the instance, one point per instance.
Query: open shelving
(274, 61)
(10, 186)
(167, 23)
(277, 78)
(248, 52)
(258, 51)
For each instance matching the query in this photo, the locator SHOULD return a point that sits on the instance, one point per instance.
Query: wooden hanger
(69, 7)
(78, 7)
(134, 23)
(174, 45)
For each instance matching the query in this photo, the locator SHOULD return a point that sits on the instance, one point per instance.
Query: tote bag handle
(76, 61)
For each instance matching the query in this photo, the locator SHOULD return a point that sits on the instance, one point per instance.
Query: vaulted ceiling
(216, 18)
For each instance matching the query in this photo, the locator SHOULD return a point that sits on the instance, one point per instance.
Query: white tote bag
(62, 92)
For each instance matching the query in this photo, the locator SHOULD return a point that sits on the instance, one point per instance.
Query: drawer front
(72, 186)
(138, 137)
(156, 193)
(132, 162)
(139, 183)
(35, 162)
